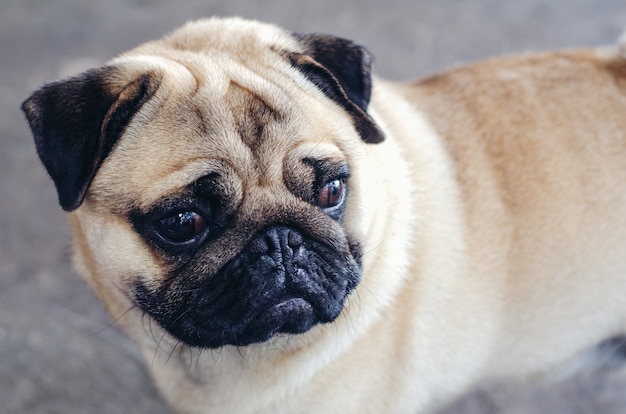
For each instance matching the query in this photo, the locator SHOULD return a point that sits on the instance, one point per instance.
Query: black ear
(77, 121)
(342, 70)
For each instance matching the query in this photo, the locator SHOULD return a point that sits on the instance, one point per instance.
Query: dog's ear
(342, 70)
(76, 122)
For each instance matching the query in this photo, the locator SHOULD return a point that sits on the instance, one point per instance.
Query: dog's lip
(288, 301)
(286, 298)
(285, 311)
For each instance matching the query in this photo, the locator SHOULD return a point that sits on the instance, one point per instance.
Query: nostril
(258, 246)
(275, 239)
(294, 239)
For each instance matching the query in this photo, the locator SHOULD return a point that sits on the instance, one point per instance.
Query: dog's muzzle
(281, 282)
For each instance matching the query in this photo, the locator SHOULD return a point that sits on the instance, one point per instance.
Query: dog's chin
(258, 294)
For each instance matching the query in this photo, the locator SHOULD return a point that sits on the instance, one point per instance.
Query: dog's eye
(332, 194)
(181, 227)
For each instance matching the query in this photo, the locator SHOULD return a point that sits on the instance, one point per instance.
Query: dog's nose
(278, 238)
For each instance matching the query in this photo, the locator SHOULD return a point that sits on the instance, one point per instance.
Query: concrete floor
(58, 353)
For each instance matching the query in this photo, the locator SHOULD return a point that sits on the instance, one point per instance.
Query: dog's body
(483, 238)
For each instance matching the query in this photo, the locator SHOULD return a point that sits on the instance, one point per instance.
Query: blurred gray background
(58, 351)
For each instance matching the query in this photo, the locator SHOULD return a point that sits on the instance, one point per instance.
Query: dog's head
(213, 177)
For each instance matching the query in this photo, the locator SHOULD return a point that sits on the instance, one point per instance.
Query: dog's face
(213, 178)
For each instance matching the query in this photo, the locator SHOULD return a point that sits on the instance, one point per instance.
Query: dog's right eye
(181, 227)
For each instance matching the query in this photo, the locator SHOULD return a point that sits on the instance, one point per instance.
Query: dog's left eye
(332, 194)
(181, 227)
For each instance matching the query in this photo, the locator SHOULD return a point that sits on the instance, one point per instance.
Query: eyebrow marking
(251, 113)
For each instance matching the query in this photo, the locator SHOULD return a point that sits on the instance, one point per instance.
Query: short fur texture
(281, 233)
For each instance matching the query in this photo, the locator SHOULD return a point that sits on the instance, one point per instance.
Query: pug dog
(281, 232)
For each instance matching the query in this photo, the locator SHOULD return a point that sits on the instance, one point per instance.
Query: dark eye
(332, 194)
(181, 227)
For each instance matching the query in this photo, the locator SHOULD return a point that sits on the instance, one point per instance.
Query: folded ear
(76, 122)
(342, 70)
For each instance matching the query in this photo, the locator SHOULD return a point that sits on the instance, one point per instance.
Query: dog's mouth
(283, 288)
(290, 315)
(286, 304)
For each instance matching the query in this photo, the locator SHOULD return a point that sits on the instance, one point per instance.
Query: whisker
(289, 337)
(198, 359)
(371, 249)
(187, 290)
(219, 354)
(113, 322)
(240, 352)
(158, 343)
(165, 331)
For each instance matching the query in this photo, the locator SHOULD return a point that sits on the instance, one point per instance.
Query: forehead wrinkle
(199, 124)
(248, 77)
(268, 147)
(206, 82)
(216, 136)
